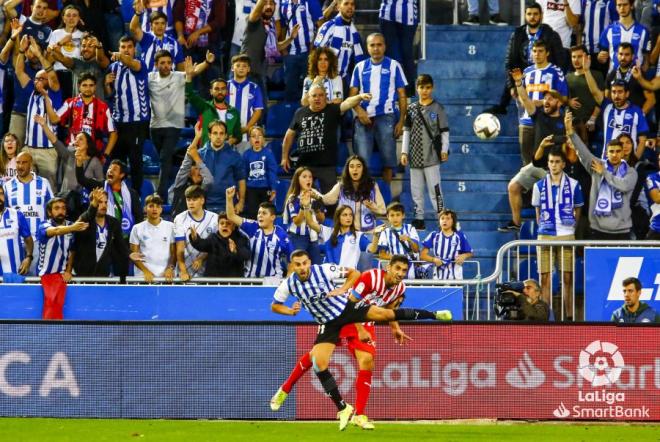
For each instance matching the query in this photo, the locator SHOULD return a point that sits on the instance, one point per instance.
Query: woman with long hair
(11, 147)
(343, 243)
(303, 214)
(358, 190)
(67, 39)
(322, 68)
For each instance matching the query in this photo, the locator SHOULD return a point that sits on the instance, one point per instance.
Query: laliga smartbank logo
(601, 364)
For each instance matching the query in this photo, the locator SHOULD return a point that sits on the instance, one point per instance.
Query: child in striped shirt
(397, 239)
(448, 248)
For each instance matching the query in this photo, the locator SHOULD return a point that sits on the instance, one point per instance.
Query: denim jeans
(493, 7)
(165, 140)
(302, 242)
(295, 70)
(400, 39)
(382, 132)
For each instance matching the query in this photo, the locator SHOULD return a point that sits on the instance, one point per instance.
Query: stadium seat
(342, 156)
(375, 164)
(282, 189)
(528, 231)
(385, 190)
(279, 118)
(147, 189)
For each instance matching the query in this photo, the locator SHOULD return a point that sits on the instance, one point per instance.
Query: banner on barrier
(606, 268)
(230, 371)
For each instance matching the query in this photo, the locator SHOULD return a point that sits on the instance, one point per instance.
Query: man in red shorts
(383, 288)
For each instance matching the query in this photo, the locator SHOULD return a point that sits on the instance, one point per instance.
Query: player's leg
(365, 361)
(302, 366)
(379, 314)
(321, 354)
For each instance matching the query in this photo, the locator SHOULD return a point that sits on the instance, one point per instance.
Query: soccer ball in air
(486, 126)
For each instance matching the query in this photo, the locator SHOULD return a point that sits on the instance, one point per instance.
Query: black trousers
(130, 141)
(165, 140)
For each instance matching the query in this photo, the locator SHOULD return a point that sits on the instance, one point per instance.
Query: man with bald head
(316, 127)
(28, 193)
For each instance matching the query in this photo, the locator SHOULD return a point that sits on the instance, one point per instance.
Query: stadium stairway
(467, 65)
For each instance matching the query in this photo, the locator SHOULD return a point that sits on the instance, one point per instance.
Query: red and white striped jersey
(372, 290)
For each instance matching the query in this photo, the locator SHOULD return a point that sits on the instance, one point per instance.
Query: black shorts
(329, 332)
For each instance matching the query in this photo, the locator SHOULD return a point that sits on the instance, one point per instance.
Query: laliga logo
(599, 372)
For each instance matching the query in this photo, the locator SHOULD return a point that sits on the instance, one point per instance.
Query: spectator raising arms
(67, 39)
(155, 40)
(358, 190)
(303, 214)
(322, 68)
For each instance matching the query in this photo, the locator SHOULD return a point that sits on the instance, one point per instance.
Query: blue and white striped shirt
(653, 183)
(381, 80)
(292, 210)
(390, 243)
(150, 44)
(312, 293)
(29, 198)
(538, 81)
(347, 251)
(53, 251)
(246, 97)
(447, 248)
(205, 227)
(405, 12)
(596, 16)
(34, 133)
(630, 120)
(615, 34)
(269, 252)
(13, 227)
(131, 95)
(305, 13)
(344, 40)
(164, 6)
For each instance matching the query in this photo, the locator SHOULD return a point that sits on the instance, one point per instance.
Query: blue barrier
(605, 270)
(185, 302)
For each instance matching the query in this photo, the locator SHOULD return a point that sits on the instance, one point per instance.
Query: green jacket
(208, 112)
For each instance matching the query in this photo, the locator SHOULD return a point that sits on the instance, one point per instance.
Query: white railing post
(422, 21)
(522, 12)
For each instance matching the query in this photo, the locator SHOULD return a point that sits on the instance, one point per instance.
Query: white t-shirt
(71, 49)
(168, 99)
(555, 17)
(154, 243)
(334, 88)
(205, 226)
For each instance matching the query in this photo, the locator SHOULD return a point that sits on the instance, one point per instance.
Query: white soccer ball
(486, 126)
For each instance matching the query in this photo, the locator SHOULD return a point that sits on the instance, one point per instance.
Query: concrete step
(482, 163)
(470, 68)
(471, 34)
(453, 52)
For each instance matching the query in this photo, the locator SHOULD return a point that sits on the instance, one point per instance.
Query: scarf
(609, 198)
(197, 14)
(531, 39)
(96, 110)
(620, 76)
(563, 204)
(272, 54)
(126, 214)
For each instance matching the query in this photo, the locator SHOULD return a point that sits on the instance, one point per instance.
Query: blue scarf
(564, 202)
(609, 198)
(127, 220)
(531, 38)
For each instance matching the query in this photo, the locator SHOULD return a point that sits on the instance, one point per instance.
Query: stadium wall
(230, 370)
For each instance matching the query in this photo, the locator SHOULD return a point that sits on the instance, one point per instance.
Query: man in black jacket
(519, 52)
(125, 204)
(227, 250)
(100, 248)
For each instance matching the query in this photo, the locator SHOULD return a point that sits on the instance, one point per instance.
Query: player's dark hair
(295, 189)
(215, 123)
(153, 199)
(631, 159)
(365, 184)
(194, 192)
(424, 80)
(85, 76)
(557, 151)
(123, 168)
(91, 146)
(222, 215)
(614, 143)
(540, 44)
(299, 252)
(217, 80)
(126, 39)
(162, 53)
(336, 229)
(582, 48)
(52, 202)
(240, 58)
(4, 159)
(403, 259)
(395, 207)
(634, 281)
(268, 206)
(156, 15)
(620, 83)
(452, 215)
(534, 5)
(626, 45)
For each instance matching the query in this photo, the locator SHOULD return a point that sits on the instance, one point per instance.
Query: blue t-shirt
(260, 169)
(226, 166)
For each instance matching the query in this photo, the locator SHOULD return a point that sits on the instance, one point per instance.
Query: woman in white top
(68, 39)
(303, 214)
(358, 190)
(11, 147)
(343, 244)
(323, 63)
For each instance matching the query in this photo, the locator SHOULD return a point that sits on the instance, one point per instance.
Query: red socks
(362, 388)
(303, 364)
